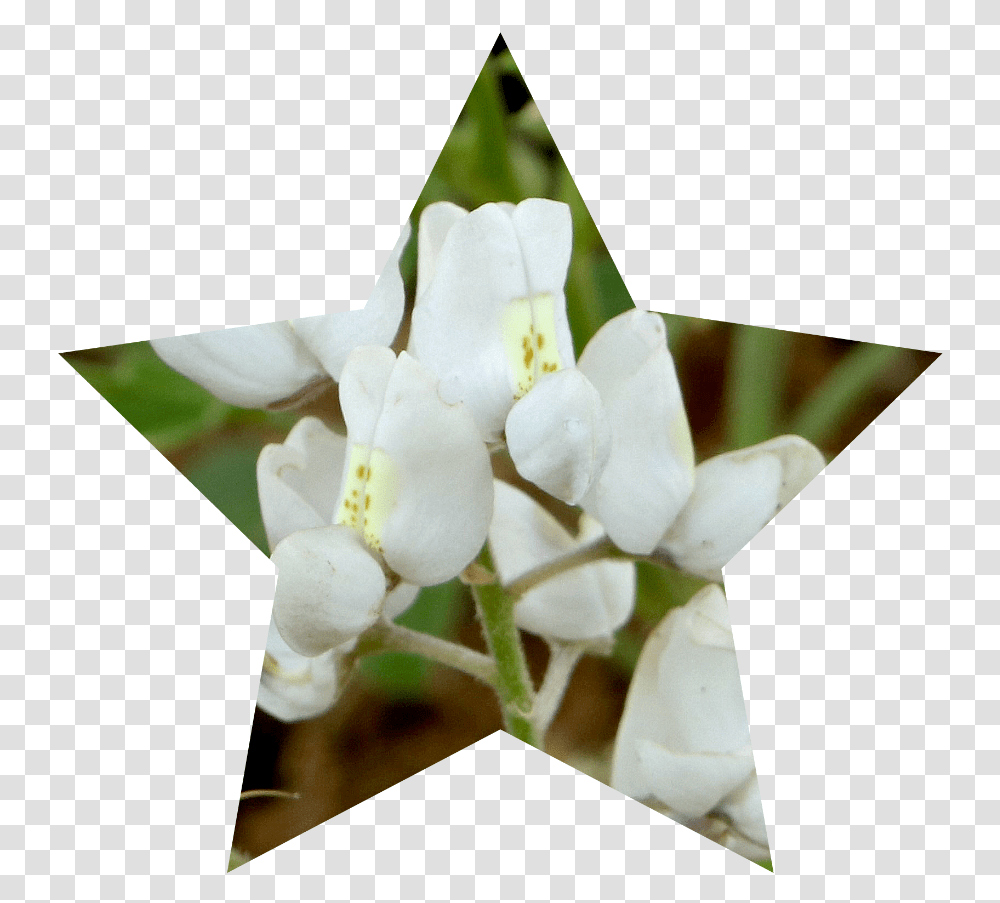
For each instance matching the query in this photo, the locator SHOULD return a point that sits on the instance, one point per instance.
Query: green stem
(517, 695)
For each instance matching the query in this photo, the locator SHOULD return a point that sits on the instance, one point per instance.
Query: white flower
(735, 496)
(422, 474)
(251, 366)
(559, 435)
(415, 493)
(299, 480)
(588, 602)
(490, 313)
(295, 687)
(649, 473)
(684, 739)
(333, 337)
(266, 364)
(613, 436)
(330, 589)
(745, 813)
(299, 485)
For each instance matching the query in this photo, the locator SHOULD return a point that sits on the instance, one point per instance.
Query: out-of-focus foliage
(215, 445)
(168, 409)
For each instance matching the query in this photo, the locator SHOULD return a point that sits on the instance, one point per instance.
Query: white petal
(333, 337)
(742, 846)
(363, 386)
(294, 687)
(298, 480)
(483, 265)
(435, 223)
(456, 328)
(250, 366)
(545, 232)
(735, 495)
(684, 713)
(444, 481)
(690, 784)
(329, 590)
(699, 664)
(399, 600)
(558, 435)
(585, 603)
(650, 472)
(744, 809)
(417, 482)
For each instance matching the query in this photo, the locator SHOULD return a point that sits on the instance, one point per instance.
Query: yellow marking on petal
(528, 326)
(371, 475)
(543, 311)
(516, 325)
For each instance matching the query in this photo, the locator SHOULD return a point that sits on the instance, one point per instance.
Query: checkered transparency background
(826, 167)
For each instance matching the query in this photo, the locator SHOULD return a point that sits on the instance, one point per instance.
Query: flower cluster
(359, 521)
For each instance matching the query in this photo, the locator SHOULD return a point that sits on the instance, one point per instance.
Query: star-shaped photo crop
(500, 495)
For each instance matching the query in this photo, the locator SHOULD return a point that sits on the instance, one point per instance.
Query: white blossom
(490, 313)
(249, 366)
(559, 435)
(295, 687)
(585, 603)
(332, 337)
(266, 364)
(735, 496)
(649, 473)
(414, 500)
(299, 480)
(422, 475)
(684, 739)
(649, 494)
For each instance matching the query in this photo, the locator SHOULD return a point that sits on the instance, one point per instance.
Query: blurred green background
(741, 385)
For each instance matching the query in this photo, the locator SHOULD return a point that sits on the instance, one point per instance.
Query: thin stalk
(597, 551)
(602, 549)
(550, 695)
(513, 684)
(388, 637)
